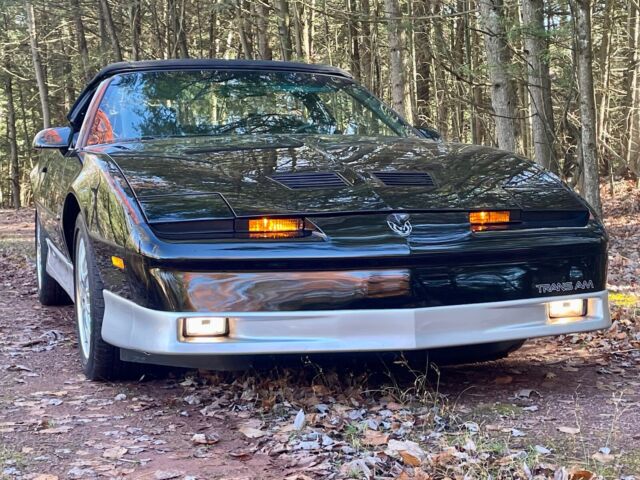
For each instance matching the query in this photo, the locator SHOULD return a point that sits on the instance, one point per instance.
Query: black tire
(49, 290)
(100, 360)
(485, 352)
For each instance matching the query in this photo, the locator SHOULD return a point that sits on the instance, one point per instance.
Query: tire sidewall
(96, 309)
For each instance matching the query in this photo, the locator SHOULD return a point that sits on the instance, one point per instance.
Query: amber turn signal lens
(486, 217)
(117, 262)
(275, 225)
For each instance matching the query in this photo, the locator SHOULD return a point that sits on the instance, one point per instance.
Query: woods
(553, 80)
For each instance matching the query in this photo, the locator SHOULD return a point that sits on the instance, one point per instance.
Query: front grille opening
(405, 179)
(309, 180)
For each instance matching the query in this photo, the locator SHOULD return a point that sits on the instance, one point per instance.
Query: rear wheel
(100, 360)
(49, 290)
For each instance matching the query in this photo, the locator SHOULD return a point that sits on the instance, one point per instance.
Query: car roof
(76, 113)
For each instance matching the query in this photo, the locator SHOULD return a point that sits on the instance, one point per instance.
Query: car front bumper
(153, 332)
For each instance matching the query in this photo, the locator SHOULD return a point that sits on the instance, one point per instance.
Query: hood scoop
(405, 179)
(309, 180)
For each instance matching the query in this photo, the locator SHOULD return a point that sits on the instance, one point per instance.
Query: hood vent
(309, 180)
(405, 179)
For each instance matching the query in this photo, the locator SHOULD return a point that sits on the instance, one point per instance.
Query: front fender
(115, 223)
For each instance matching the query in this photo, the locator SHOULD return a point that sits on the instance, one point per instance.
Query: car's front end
(366, 264)
(246, 210)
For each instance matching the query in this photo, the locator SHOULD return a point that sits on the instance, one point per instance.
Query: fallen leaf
(166, 474)
(409, 451)
(569, 430)
(375, 438)
(504, 380)
(298, 423)
(251, 432)
(56, 430)
(114, 453)
(581, 475)
(542, 450)
(205, 438)
(410, 458)
(603, 457)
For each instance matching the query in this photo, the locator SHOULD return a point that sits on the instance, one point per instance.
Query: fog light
(205, 326)
(568, 308)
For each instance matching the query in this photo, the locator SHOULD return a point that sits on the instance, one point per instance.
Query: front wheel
(100, 360)
(474, 353)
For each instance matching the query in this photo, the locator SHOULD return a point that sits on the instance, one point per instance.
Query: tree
(536, 53)
(37, 66)
(112, 33)
(591, 185)
(498, 62)
(396, 57)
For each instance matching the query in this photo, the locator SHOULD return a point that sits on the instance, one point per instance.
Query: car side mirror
(429, 133)
(56, 137)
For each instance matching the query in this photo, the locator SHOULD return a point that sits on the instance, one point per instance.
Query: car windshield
(224, 103)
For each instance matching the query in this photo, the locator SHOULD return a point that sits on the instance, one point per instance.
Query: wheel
(485, 352)
(49, 290)
(99, 360)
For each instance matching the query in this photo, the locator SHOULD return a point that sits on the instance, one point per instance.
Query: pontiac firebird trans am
(197, 211)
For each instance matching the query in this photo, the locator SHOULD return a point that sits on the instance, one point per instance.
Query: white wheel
(83, 299)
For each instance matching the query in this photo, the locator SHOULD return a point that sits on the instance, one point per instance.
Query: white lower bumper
(130, 326)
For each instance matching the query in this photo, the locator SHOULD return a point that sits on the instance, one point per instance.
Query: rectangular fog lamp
(205, 326)
(568, 308)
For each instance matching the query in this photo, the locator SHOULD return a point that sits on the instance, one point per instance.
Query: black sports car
(201, 210)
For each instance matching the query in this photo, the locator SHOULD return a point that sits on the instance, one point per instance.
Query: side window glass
(101, 130)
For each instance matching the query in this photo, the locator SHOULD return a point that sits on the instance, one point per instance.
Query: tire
(485, 352)
(100, 361)
(49, 290)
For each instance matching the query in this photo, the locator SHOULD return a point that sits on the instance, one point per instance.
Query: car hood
(196, 178)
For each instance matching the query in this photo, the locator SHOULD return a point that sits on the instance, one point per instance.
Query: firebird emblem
(399, 223)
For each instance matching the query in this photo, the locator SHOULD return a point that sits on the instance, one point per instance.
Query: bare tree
(582, 20)
(81, 39)
(396, 58)
(498, 61)
(37, 66)
(11, 136)
(284, 28)
(633, 80)
(538, 73)
(262, 23)
(111, 31)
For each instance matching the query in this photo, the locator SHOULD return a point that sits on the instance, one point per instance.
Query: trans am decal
(565, 286)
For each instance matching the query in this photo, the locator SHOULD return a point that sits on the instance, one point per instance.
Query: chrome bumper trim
(130, 326)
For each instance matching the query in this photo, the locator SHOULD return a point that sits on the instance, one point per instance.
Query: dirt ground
(564, 408)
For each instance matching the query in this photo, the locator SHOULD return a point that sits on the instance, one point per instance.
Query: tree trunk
(245, 36)
(633, 115)
(37, 66)
(111, 29)
(582, 18)
(262, 17)
(538, 70)
(284, 29)
(396, 57)
(81, 39)
(498, 63)
(354, 42)
(136, 29)
(11, 137)
(366, 57)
